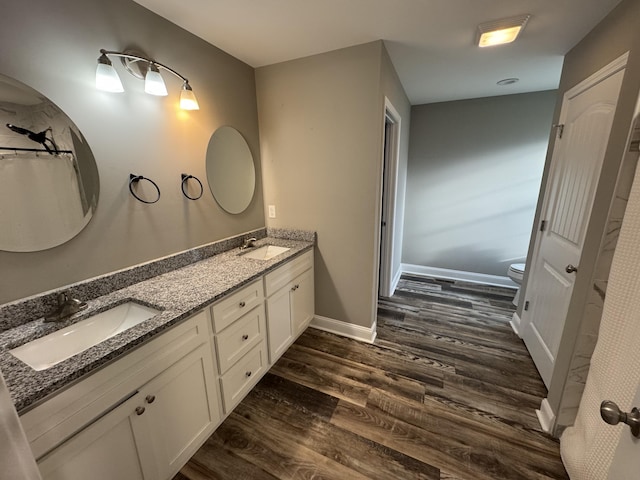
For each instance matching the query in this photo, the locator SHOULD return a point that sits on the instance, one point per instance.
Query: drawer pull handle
(150, 398)
(248, 374)
(245, 337)
(242, 304)
(139, 410)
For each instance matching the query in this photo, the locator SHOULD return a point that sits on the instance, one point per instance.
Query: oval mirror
(49, 182)
(230, 170)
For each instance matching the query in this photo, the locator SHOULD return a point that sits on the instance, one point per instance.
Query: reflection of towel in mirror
(16, 459)
(40, 201)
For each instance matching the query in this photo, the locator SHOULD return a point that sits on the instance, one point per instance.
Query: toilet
(515, 273)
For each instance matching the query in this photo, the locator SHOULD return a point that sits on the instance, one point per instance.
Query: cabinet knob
(140, 410)
(248, 374)
(242, 304)
(293, 289)
(150, 398)
(245, 337)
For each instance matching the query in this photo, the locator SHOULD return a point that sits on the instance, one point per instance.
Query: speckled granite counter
(179, 294)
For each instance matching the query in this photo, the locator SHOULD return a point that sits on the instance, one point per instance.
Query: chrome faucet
(248, 243)
(67, 306)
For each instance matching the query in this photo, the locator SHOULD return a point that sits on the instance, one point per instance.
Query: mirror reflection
(49, 181)
(230, 170)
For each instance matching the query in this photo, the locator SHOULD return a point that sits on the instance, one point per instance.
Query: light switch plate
(272, 211)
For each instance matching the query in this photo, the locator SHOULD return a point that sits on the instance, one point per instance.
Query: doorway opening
(390, 233)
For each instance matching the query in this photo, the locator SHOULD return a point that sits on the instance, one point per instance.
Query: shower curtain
(588, 448)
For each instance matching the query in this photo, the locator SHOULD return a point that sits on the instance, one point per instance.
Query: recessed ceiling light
(507, 81)
(502, 31)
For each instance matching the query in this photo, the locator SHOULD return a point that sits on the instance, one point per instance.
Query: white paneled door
(585, 123)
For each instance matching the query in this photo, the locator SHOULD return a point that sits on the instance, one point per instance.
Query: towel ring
(135, 179)
(185, 178)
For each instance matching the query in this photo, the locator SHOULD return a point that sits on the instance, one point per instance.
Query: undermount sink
(266, 253)
(47, 351)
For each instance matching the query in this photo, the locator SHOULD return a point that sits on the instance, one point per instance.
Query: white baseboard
(345, 329)
(546, 417)
(473, 277)
(515, 323)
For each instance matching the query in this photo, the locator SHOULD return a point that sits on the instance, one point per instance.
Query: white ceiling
(430, 41)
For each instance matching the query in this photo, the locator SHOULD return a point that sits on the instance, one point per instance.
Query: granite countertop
(178, 294)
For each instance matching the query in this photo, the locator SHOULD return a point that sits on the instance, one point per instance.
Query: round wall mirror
(230, 170)
(49, 181)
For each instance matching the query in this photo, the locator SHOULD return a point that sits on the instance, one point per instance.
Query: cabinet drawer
(240, 337)
(287, 272)
(240, 378)
(235, 305)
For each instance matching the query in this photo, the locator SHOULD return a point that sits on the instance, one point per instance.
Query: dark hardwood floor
(446, 392)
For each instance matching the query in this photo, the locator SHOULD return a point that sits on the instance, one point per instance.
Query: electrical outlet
(272, 211)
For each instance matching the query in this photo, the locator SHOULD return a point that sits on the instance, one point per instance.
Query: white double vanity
(145, 412)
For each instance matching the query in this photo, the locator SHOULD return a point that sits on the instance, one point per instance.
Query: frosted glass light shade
(188, 99)
(153, 82)
(107, 78)
(499, 32)
(499, 37)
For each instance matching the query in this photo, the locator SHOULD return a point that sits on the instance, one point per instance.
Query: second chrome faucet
(248, 243)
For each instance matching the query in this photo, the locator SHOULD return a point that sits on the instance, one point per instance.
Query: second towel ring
(185, 178)
(135, 179)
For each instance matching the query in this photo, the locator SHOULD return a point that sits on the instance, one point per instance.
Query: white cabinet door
(279, 325)
(152, 434)
(103, 451)
(302, 302)
(181, 411)
(289, 311)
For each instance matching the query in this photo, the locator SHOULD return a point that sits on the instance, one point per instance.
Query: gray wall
(321, 121)
(473, 178)
(53, 47)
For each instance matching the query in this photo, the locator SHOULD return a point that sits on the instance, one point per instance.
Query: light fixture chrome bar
(107, 78)
(143, 59)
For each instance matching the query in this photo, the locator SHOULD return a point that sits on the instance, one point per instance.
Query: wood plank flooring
(446, 392)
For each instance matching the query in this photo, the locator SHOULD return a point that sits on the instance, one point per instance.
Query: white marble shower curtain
(588, 448)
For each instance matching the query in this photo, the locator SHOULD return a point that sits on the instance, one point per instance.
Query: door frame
(385, 284)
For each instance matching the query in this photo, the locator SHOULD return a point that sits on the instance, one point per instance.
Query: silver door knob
(571, 269)
(611, 413)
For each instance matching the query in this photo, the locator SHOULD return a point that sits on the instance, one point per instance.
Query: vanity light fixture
(107, 78)
(499, 32)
